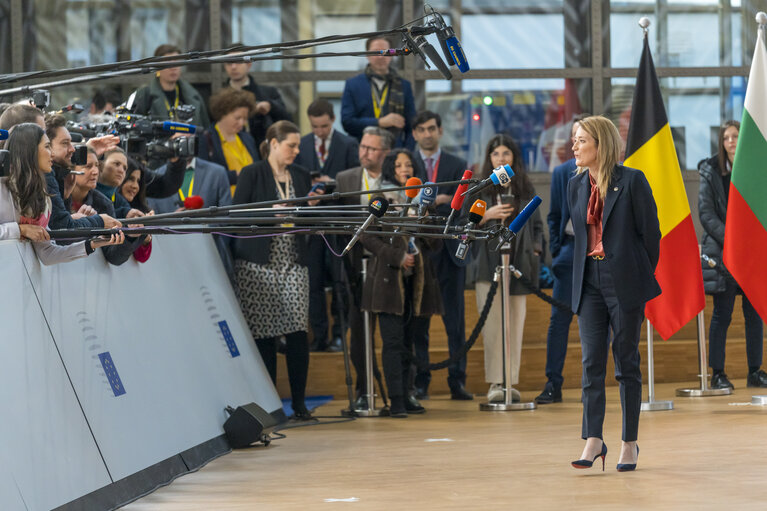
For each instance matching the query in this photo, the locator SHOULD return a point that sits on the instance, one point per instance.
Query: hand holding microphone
(500, 176)
(516, 225)
(475, 217)
(377, 208)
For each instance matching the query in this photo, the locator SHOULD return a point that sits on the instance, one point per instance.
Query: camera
(40, 98)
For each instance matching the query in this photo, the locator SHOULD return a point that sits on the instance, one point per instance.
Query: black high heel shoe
(589, 463)
(627, 467)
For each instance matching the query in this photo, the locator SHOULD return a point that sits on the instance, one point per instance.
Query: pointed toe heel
(590, 463)
(628, 467)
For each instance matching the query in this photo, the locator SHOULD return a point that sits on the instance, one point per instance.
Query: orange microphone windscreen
(413, 192)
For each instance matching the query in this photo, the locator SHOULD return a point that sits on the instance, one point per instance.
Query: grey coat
(712, 209)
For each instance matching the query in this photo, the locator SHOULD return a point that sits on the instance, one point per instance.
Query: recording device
(141, 136)
(74, 108)
(426, 48)
(412, 193)
(427, 196)
(80, 157)
(451, 47)
(40, 98)
(377, 208)
(475, 217)
(507, 198)
(499, 176)
(317, 186)
(516, 225)
(457, 203)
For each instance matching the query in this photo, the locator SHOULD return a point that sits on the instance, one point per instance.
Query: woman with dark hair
(25, 206)
(271, 273)
(133, 188)
(503, 205)
(402, 289)
(712, 207)
(227, 143)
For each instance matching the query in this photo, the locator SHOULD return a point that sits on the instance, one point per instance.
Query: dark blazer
(260, 123)
(115, 254)
(211, 150)
(210, 183)
(255, 184)
(60, 217)
(357, 111)
(451, 168)
(630, 236)
(344, 154)
(559, 212)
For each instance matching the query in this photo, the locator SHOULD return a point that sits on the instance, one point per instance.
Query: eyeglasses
(371, 149)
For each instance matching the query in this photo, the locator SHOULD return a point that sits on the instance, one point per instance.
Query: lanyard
(435, 170)
(284, 194)
(367, 185)
(378, 103)
(175, 103)
(188, 193)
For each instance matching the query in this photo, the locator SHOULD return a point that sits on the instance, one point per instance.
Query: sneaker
(757, 379)
(720, 381)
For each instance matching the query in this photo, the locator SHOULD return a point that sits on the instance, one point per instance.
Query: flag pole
(651, 405)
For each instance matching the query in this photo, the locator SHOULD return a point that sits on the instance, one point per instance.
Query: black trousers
(724, 303)
(357, 344)
(323, 269)
(297, 358)
(599, 313)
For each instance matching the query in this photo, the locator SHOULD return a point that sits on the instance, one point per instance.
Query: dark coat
(344, 154)
(451, 168)
(60, 217)
(115, 254)
(163, 185)
(712, 209)
(255, 184)
(258, 123)
(630, 236)
(211, 150)
(210, 183)
(357, 111)
(384, 289)
(150, 100)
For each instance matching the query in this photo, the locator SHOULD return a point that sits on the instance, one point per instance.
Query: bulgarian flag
(650, 148)
(745, 231)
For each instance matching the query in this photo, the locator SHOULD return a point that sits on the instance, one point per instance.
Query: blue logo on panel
(111, 372)
(229, 339)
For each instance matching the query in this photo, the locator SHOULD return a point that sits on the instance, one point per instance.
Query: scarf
(395, 99)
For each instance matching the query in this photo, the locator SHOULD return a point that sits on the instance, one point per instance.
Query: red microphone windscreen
(457, 202)
(413, 192)
(194, 202)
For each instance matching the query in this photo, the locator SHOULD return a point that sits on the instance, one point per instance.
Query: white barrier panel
(155, 351)
(48, 455)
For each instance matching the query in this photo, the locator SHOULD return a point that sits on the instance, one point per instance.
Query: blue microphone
(500, 176)
(427, 196)
(3, 134)
(519, 222)
(177, 127)
(451, 47)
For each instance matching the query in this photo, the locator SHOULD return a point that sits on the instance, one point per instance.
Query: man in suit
(325, 151)
(375, 143)
(379, 97)
(439, 166)
(269, 105)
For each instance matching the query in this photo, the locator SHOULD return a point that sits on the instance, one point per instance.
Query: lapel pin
(615, 189)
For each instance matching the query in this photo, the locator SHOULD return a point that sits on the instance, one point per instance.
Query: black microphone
(377, 208)
(499, 176)
(426, 47)
(516, 225)
(475, 217)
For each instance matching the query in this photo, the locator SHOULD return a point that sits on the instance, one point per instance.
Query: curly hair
(228, 100)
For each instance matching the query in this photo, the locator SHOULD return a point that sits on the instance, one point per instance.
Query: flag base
(759, 400)
(703, 392)
(656, 406)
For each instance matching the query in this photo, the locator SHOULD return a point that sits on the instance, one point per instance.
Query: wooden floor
(708, 453)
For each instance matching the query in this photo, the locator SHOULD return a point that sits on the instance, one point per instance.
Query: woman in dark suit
(617, 242)
(270, 272)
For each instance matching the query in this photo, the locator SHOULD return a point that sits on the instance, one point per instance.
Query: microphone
(499, 176)
(451, 47)
(74, 107)
(427, 197)
(426, 47)
(194, 202)
(3, 134)
(412, 193)
(174, 127)
(475, 217)
(377, 208)
(519, 222)
(457, 203)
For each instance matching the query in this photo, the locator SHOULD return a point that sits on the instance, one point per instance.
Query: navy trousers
(599, 313)
(724, 303)
(559, 322)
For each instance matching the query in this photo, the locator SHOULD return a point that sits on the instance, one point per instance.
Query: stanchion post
(371, 410)
(507, 404)
(651, 405)
(704, 390)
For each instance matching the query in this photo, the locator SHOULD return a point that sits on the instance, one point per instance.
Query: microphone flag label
(377, 204)
(229, 339)
(111, 373)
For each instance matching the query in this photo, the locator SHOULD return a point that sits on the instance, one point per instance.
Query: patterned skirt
(274, 297)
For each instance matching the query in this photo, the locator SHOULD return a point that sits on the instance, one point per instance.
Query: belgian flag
(650, 148)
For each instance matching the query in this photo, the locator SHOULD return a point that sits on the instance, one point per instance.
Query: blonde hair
(609, 145)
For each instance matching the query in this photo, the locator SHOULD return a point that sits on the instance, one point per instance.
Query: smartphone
(507, 198)
(81, 155)
(317, 186)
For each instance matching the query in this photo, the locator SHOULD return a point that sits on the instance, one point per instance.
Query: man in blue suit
(379, 97)
(438, 166)
(325, 152)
